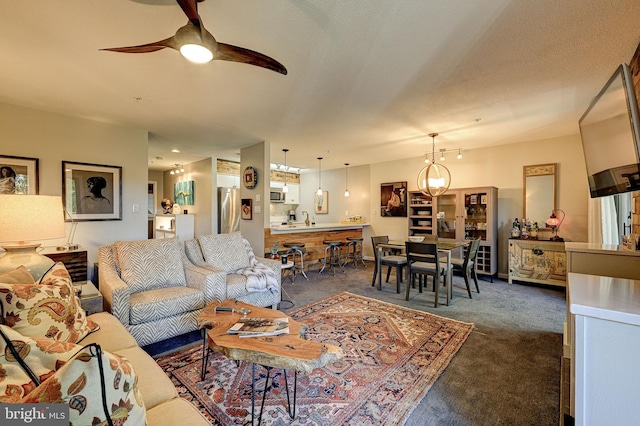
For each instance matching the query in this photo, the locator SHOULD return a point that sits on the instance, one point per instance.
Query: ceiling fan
(197, 44)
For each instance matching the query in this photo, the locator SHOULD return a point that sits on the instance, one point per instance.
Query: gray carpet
(508, 370)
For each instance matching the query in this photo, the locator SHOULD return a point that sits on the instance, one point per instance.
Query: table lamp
(27, 218)
(554, 223)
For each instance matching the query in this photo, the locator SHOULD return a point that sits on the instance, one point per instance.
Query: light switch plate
(136, 208)
(257, 197)
(258, 209)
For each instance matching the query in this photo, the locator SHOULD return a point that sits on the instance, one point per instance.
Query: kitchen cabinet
(179, 226)
(470, 213)
(537, 261)
(293, 196)
(228, 181)
(421, 213)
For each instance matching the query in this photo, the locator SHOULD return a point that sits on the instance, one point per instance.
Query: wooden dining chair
(384, 258)
(467, 266)
(423, 260)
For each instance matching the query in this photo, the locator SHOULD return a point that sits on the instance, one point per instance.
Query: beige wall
(256, 156)
(53, 138)
(202, 173)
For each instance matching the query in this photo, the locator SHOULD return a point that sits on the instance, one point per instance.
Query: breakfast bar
(311, 236)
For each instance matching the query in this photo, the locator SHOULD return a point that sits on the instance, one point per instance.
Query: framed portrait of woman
(393, 199)
(18, 175)
(92, 191)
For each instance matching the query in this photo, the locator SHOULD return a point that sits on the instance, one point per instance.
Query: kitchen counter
(319, 227)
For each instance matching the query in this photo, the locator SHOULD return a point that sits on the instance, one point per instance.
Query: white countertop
(599, 248)
(288, 229)
(612, 299)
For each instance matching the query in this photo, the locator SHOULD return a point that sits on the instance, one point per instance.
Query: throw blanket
(260, 277)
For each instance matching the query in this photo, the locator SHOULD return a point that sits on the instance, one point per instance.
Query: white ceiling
(368, 79)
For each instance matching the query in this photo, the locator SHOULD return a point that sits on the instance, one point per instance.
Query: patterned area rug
(393, 355)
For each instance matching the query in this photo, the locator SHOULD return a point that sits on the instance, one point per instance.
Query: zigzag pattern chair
(153, 289)
(242, 275)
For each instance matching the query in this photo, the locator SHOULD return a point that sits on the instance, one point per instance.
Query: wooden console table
(537, 261)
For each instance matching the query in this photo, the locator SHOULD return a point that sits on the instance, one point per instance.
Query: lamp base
(556, 238)
(27, 256)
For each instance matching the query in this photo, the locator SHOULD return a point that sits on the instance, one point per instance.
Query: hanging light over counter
(346, 180)
(319, 192)
(285, 188)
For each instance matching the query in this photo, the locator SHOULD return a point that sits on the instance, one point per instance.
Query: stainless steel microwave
(277, 196)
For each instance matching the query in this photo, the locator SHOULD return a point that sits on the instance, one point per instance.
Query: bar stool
(333, 248)
(296, 248)
(355, 243)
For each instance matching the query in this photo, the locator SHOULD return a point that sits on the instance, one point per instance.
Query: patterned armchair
(152, 289)
(240, 274)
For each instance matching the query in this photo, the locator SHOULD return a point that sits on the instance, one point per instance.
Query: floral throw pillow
(49, 309)
(78, 383)
(43, 356)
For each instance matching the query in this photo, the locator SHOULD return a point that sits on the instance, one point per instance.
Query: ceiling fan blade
(190, 8)
(227, 52)
(146, 48)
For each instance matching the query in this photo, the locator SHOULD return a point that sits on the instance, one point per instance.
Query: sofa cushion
(78, 383)
(20, 275)
(149, 264)
(49, 309)
(43, 356)
(225, 251)
(177, 411)
(160, 303)
(155, 386)
(236, 286)
(112, 335)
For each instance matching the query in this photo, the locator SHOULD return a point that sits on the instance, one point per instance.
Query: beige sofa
(160, 396)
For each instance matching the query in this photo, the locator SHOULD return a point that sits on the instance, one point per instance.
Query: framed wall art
(92, 191)
(246, 209)
(250, 177)
(321, 203)
(183, 193)
(393, 199)
(18, 175)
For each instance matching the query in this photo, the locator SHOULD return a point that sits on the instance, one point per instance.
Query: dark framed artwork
(393, 199)
(246, 209)
(92, 191)
(18, 175)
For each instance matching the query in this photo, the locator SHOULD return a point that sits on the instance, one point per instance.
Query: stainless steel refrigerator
(228, 210)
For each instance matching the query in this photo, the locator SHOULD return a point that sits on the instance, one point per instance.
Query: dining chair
(383, 258)
(417, 253)
(467, 266)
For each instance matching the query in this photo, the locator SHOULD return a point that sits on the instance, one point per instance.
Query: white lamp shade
(31, 218)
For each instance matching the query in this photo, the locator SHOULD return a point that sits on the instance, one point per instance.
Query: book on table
(257, 327)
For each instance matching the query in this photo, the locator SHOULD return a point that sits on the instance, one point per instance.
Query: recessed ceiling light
(175, 150)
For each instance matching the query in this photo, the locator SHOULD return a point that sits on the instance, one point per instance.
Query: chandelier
(434, 179)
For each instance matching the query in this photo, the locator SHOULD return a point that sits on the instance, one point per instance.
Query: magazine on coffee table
(258, 327)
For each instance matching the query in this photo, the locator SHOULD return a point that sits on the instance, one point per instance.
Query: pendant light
(285, 188)
(346, 180)
(319, 192)
(434, 179)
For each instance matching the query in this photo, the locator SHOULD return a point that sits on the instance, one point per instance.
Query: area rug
(393, 355)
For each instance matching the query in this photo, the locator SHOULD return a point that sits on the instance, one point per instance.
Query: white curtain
(603, 221)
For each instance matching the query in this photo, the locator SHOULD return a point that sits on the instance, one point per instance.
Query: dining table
(444, 246)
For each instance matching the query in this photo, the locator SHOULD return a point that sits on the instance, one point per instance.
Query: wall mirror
(539, 192)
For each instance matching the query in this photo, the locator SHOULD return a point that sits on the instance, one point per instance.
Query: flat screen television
(610, 133)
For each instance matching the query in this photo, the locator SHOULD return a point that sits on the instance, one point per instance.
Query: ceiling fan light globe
(196, 53)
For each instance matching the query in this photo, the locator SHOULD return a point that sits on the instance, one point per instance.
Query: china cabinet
(470, 213)
(179, 226)
(421, 213)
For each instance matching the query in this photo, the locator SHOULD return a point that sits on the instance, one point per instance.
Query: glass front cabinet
(469, 213)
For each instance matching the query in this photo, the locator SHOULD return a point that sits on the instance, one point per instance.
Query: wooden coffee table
(287, 351)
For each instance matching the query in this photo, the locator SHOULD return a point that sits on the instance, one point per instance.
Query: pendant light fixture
(434, 179)
(285, 188)
(319, 192)
(346, 180)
